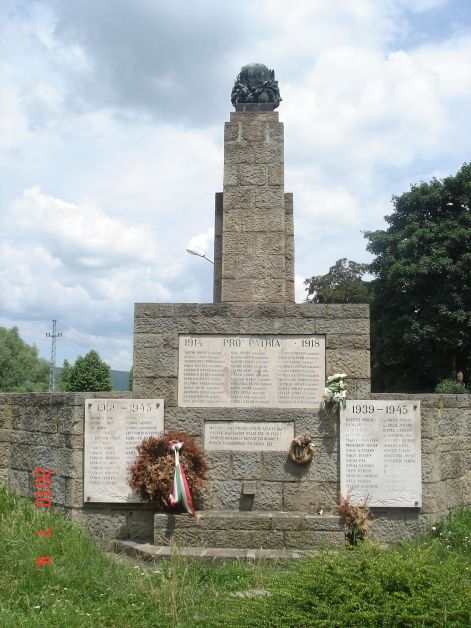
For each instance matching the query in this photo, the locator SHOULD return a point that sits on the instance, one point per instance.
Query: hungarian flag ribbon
(180, 491)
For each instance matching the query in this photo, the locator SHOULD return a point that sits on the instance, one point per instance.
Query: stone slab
(149, 552)
(255, 106)
(243, 371)
(380, 453)
(248, 436)
(113, 430)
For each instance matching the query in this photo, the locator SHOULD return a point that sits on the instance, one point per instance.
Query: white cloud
(82, 234)
(202, 243)
(450, 62)
(365, 109)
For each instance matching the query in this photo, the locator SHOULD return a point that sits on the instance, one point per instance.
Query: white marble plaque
(245, 436)
(380, 453)
(242, 371)
(113, 430)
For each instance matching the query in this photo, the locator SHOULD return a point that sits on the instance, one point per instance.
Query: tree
(130, 382)
(21, 369)
(421, 310)
(64, 376)
(342, 284)
(88, 373)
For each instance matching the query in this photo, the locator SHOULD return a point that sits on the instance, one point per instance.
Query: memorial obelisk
(254, 244)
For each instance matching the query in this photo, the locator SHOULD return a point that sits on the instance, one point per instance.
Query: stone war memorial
(245, 377)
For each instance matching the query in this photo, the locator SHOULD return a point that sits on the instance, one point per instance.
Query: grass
(425, 583)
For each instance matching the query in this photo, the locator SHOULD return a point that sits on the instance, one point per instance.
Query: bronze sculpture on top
(255, 89)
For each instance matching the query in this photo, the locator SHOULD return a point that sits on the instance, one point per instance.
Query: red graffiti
(43, 560)
(43, 500)
(43, 477)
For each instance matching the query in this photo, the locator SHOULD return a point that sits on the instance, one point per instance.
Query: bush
(451, 387)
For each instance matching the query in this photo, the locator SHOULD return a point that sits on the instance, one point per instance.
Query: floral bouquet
(336, 392)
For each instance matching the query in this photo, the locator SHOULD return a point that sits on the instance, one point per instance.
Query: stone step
(248, 529)
(146, 551)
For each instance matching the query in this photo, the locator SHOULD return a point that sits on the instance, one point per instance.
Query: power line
(52, 366)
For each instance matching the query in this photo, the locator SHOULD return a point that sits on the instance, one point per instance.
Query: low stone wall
(46, 430)
(446, 465)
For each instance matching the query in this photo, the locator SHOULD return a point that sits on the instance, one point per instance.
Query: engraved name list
(251, 371)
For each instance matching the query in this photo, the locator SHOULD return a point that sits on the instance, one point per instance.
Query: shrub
(151, 475)
(451, 387)
(356, 519)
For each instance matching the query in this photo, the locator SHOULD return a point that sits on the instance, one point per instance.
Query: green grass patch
(425, 583)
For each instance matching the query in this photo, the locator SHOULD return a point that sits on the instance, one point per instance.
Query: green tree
(21, 369)
(130, 378)
(342, 284)
(89, 373)
(421, 310)
(64, 376)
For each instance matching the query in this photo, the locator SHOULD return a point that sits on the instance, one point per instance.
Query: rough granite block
(237, 244)
(269, 197)
(239, 197)
(253, 131)
(267, 154)
(276, 175)
(246, 465)
(254, 220)
(273, 290)
(231, 174)
(239, 153)
(354, 362)
(252, 174)
(270, 243)
(304, 496)
(249, 487)
(231, 131)
(238, 290)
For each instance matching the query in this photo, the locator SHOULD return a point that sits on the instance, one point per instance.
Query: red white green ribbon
(180, 491)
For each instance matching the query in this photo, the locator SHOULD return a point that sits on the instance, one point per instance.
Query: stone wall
(46, 430)
(446, 465)
(281, 485)
(157, 326)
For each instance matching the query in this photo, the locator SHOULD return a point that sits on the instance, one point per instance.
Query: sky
(111, 142)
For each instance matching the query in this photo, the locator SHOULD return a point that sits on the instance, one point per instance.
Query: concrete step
(248, 529)
(146, 551)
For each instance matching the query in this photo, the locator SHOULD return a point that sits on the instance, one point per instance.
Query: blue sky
(111, 141)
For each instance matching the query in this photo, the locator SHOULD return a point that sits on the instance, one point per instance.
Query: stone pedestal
(275, 530)
(280, 484)
(254, 244)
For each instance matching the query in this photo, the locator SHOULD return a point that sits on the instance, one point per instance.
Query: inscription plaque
(380, 453)
(245, 436)
(113, 430)
(242, 371)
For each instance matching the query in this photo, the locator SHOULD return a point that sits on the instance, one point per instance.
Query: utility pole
(52, 366)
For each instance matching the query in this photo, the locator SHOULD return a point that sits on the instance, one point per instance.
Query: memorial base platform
(248, 530)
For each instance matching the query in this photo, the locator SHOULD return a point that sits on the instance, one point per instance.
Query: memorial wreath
(302, 449)
(169, 471)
